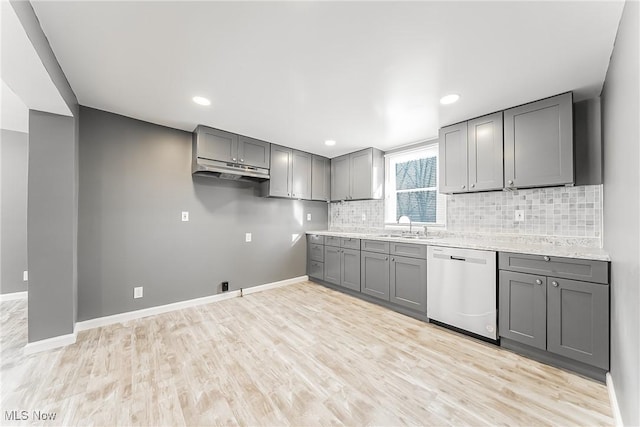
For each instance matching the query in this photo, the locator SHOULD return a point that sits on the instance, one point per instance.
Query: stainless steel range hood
(225, 170)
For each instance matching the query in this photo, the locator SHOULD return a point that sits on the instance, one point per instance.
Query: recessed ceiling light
(201, 101)
(330, 142)
(449, 99)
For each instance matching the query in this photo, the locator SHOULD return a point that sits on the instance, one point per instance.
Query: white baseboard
(152, 311)
(14, 296)
(50, 343)
(617, 417)
(274, 285)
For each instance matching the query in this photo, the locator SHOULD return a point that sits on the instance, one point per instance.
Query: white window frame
(390, 162)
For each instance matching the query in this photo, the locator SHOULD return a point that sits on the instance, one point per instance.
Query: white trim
(50, 343)
(274, 285)
(152, 311)
(617, 417)
(14, 296)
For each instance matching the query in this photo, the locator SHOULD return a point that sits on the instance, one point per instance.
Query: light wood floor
(298, 355)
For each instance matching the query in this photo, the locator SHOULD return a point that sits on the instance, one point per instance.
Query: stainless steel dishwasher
(461, 289)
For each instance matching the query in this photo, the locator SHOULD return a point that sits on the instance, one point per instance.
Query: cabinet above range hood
(225, 155)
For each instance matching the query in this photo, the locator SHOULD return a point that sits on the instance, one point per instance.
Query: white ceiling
(297, 73)
(22, 70)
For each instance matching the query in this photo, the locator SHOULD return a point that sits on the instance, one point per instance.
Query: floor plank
(298, 355)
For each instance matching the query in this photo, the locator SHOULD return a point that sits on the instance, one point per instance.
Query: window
(412, 186)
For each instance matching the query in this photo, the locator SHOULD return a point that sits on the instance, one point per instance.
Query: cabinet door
(332, 264)
(340, 178)
(320, 178)
(408, 283)
(486, 163)
(523, 308)
(301, 175)
(350, 271)
(375, 274)
(253, 152)
(214, 144)
(361, 179)
(452, 158)
(315, 269)
(578, 320)
(538, 143)
(315, 252)
(280, 182)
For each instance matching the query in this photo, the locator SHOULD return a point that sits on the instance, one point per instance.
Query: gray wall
(135, 180)
(40, 43)
(14, 158)
(621, 140)
(50, 222)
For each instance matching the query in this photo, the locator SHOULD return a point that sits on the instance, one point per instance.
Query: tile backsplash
(556, 211)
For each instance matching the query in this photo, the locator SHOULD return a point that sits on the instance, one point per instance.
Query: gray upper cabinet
(301, 175)
(471, 155)
(578, 320)
(281, 174)
(253, 152)
(340, 178)
(453, 155)
(538, 143)
(290, 174)
(486, 165)
(320, 178)
(523, 308)
(215, 144)
(358, 176)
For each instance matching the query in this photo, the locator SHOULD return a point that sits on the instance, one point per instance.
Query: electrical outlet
(137, 292)
(225, 286)
(25, 276)
(308, 217)
(247, 237)
(519, 215)
(364, 217)
(185, 216)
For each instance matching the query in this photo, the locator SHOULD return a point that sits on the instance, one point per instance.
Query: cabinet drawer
(375, 246)
(316, 270)
(332, 241)
(566, 268)
(349, 243)
(316, 252)
(408, 249)
(314, 238)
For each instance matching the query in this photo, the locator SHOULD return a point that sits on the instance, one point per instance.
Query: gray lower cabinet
(342, 267)
(538, 143)
(578, 320)
(552, 312)
(375, 274)
(408, 282)
(523, 308)
(320, 178)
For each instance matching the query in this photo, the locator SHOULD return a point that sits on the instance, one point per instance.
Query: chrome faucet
(404, 220)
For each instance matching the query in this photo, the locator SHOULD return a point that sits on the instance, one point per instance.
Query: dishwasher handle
(457, 258)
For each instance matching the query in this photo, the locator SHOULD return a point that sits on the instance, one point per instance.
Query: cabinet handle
(538, 282)
(234, 159)
(242, 160)
(386, 258)
(288, 194)
(510, 182)
(393, 259)
(463, 187)
(473, 186)
(554, 283)
(546, 258)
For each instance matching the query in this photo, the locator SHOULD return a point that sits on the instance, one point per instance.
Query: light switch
(137, 292)
(247, 237)
(308, 217)
(25, 276)
(519, 216)
(185, 216)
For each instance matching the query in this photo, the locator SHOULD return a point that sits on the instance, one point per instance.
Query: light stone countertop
(499, 245)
